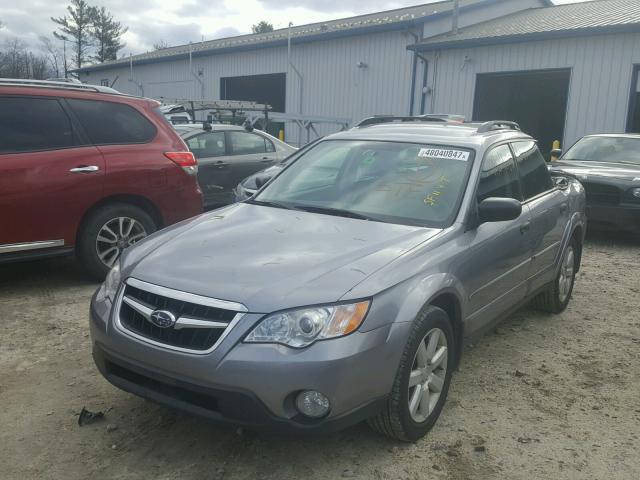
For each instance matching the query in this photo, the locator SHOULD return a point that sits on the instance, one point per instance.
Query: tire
(557, 295)
(90, 246)
(396, 419)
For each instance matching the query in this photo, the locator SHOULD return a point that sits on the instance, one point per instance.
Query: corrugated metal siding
(601, 70)
(333, 85)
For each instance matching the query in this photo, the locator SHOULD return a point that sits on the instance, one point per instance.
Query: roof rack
(498, 125)
(377, 119)
(20, 82)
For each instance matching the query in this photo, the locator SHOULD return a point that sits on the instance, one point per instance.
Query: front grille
(598, 194)
(201, 339)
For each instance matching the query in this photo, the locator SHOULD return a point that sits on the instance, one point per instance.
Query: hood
(609, 170)
(269, 258)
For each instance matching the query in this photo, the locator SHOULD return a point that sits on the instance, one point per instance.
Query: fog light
(312, 404)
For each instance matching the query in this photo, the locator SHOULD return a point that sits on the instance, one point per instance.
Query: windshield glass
(384, 181)
(606, 149)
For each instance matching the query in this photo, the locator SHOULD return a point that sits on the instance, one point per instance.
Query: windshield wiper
(266, 203)
(339, 212)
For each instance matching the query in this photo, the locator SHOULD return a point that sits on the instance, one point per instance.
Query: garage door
(537, 100)
(269, 89)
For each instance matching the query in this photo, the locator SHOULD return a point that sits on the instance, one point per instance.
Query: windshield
(606, 149)
(383, 181)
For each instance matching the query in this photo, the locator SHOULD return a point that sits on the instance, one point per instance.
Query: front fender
(402, 303)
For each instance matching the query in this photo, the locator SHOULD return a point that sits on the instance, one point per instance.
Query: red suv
(88, 170)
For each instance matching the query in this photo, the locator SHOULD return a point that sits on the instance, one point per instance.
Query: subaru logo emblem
(162, 318)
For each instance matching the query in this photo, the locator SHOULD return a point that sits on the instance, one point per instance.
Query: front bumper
(255, 385)
(614, 217)
(232, 407)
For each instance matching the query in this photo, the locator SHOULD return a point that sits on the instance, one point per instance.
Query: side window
(498, 176)
(245, 143)
(533, 169)
(207, 145)
(270, 147)
(112, 123)
(32, 124)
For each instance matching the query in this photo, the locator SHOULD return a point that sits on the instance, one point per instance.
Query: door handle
(85, 169)
(525, 227)
(563, 207)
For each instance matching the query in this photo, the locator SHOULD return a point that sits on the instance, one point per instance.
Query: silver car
(227, 154)
(345, 288)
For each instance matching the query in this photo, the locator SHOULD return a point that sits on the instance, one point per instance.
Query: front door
(549, 211)
(498, 253)
(47, 180)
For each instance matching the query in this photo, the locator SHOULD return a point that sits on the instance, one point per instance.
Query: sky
(178, 22)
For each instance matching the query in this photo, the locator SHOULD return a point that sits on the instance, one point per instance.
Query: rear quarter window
(110, 123)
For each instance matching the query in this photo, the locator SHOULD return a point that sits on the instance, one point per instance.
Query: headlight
(110, 285)
(635, 193)
(302, 327)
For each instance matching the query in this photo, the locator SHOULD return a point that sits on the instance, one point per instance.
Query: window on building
(532, 168)
(245, 143)
(499, 177)
(112, 123)
(32, 124)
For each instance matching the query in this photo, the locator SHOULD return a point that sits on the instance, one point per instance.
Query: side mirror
(260, 181)
(499, 209)
(555, 153)
(561, 182)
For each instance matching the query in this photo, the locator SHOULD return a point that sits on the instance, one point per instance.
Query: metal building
(349, 68)
(561, 72)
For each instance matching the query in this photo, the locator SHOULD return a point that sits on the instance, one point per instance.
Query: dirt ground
(542, 397)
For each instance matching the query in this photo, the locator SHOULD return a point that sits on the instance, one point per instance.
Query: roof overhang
(401, 25)
(527, 37)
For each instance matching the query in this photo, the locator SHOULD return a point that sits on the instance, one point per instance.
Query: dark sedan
(227, 154)
(608, 165)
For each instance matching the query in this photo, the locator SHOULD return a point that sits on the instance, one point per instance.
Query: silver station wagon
(346, 287)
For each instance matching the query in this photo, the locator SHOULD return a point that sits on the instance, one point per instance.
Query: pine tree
(107, 34)
(76, 29)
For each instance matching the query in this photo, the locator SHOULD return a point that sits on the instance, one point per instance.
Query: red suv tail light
(186, 160)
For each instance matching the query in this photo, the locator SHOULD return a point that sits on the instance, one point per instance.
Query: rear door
(210, 150)
(49, 175)
(500, 252)
(549, 211)
(250, 153)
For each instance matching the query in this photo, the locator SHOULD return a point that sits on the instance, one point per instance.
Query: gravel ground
(541, 397)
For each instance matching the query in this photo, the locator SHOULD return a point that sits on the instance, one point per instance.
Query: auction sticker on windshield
(444, 153)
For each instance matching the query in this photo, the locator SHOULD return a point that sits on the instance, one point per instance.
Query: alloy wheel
(116, 235)
(565, 279)
(428, 374)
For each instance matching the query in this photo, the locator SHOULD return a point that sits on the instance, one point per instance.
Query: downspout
(300, 80)
(425, 75)
(194, 74)
(435, 80)
(414, 71)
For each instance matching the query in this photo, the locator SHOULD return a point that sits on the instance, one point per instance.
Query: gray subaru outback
(345, 288)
